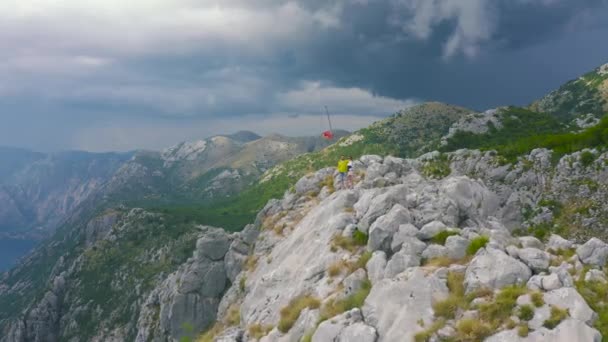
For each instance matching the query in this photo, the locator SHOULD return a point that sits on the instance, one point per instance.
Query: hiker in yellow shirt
(343, 170)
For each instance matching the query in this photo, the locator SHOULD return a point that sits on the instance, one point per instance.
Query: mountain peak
(244, 136)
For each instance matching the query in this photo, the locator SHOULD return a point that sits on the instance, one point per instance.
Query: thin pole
(331, 129)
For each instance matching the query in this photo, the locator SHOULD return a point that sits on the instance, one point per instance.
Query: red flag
(328, 135)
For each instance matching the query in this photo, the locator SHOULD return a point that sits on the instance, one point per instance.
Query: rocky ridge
(410, 254)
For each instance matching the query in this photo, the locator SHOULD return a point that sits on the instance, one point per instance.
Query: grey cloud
(72, 64)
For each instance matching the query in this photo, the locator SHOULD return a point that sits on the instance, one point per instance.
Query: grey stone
(399, 263)
(431, 229)
(457, 247)
(536, 259)
(550, 282)
(492, 268)
(214, 244)
(434, 251)
(358, 332)
(376, 266)
(594, 252)
(530, 242)
(405, 232)
(381, 232)
(396, 316)
(557, 242)
(569, 298)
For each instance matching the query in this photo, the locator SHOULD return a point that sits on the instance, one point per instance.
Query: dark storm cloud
(77, 67)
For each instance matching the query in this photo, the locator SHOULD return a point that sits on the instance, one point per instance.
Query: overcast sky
(106, 75)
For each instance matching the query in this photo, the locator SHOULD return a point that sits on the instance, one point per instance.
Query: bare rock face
(396, 306)
(188, 299)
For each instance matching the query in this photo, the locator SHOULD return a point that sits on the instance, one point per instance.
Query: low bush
(290, 313)
(477, 244)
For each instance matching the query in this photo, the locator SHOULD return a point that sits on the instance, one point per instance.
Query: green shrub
(441, 237)
(526, 312)
(557, 316)
(538, 299)
(360, 238)
(425, 336)
(587, 158)
(477, 244)
(500, 309)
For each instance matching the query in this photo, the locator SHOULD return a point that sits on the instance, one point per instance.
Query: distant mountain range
(39, 191)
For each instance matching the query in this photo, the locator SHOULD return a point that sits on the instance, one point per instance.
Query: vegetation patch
(477, 244)
(523, 330)
(437, 168)
(290, 313)
(525, 313)
(595, 294)
(425, 336)
(257, 331)
(441, 237)
(472, 330)
(252, 263)
(538, 299)
(498, 311)
(348, 243)
(557, 316)
(335, 307)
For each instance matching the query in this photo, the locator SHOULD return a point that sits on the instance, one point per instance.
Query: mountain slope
(587, 94)
(44, 189)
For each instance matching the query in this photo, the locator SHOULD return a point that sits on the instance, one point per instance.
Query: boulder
(404, 232)
(354, 282)
(376, 267)
(456, 247)
(536, 259)
(431, 229)
(434, 251)
(492, 268)
(396, 307)
(593, 252)
(530, 242)
(412, 246)
(557, 242)
(399, 263)
(569, 298)
(214, 244)
(382, 230)
(550, 282)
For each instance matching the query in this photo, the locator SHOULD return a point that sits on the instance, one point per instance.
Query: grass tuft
(538, 299)
(499, 310)
(472, 330)
(525, 313)
(335, 307)
(441, 237)
(291, 313)
(523, 330)
(257, 331)
(425, 336)
(557, 316)
(477, 244)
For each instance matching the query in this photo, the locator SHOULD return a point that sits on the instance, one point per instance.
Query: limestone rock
(536, 259)
(594, 252)
(396, 306)
(493, 268)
